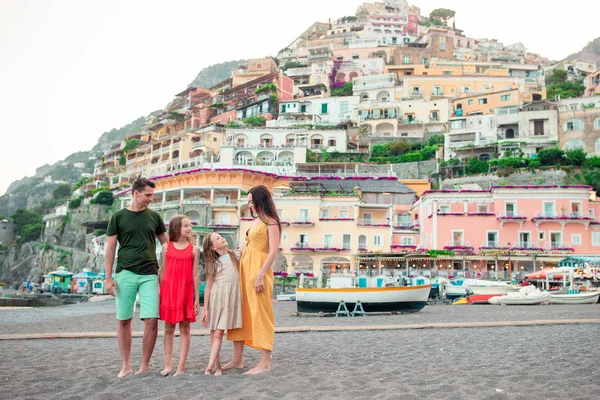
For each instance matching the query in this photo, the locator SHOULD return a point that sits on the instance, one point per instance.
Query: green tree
(551, 156)
(256, 121)
(436, 140)
(442, 15)
(61, 191)
(575, 157)
(30, 233)
(22, 217)
(104, 197)
(559, 85)
(399, 148)
(346, 90)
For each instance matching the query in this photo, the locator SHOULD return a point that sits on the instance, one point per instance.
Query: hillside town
(366, 129)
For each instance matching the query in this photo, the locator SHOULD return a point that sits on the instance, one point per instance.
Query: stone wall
(74, 232)
(552, 178)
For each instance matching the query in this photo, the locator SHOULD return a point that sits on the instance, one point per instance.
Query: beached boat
(378, 297)
(482, 289)
(527, 295)
(575, 298)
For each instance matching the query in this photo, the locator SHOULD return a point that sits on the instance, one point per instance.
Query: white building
(381, 88)
(316, 111)
(471, 136)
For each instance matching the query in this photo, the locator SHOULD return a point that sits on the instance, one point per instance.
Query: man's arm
(163, 238)
(109, 259)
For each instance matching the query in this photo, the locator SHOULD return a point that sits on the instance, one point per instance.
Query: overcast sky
(73, 69)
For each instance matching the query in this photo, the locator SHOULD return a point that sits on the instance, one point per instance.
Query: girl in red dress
(179, 289)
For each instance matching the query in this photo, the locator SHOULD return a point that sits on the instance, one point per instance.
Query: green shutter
(324, 108)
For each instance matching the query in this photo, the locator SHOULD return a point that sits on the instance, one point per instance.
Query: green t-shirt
(136, 233)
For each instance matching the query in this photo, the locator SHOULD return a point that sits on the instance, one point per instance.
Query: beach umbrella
(86, 275)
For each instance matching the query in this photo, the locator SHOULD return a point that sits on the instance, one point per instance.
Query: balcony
(302, 246)
(223, 225)
(167, 205)
(406, 248)
(378, 223)
(333, 248)
(335, 219)
(303, 222)
(406, 226)
(563, 219)
(456, 245)
(224, 204)
(560, 246)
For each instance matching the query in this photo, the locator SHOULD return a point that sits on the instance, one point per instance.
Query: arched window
(597, 123)
(510, 133)
(362, 241)
(574, 124)
(597, 146)
(574, 144)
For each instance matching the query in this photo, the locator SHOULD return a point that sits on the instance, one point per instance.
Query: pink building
(508, 229)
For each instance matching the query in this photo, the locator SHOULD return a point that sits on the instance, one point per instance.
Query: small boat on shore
(378, 297)
(527, 295)
(482, 290)
(575, 298)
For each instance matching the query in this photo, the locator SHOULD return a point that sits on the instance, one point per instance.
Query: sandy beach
(524, 362)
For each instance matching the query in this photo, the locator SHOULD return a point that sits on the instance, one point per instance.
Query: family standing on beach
(239, 288)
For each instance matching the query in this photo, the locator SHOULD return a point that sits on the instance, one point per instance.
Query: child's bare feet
(207, 372)
(178, 373)
(165, 371)
(258, 370)
(218, 372)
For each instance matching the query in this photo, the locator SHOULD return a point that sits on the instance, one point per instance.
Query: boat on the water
(376, 294)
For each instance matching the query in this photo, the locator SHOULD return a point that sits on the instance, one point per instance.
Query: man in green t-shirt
(135, 228)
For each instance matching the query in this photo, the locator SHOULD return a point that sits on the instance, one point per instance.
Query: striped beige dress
(225, 305)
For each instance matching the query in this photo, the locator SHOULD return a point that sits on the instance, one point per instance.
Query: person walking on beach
(135, 228)
(179, 290)
(222, 297)
(256, 276)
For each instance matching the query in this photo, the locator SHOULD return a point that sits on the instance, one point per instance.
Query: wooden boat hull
(386, 299)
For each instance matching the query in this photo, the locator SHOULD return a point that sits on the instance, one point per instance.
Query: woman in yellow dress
(256, 278)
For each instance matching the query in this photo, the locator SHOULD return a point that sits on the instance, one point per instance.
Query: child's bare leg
(184, 346)
(208, 371)
(215, 348)
(168, 343)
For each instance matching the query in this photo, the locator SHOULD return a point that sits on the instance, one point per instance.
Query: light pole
(509, 265)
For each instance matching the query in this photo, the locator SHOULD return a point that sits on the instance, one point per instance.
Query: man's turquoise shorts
(128, 285)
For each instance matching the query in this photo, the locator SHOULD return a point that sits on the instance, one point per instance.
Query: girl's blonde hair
(175, 225)
(211, 257)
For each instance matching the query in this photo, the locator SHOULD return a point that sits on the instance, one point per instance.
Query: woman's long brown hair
(264, 206)
(211, 257)
(175, 225)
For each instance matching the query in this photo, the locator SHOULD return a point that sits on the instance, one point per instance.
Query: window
(436, 91)
(408, 241)
(304, 215)
(324, 108)
(458, 124)
(492, 239)
(303, 108)
(224, 218)
(331, 142)
(595, 238)
(574, 124)
(302, 240)
(377, 240)
(482, 101)
(576, 239)
(524, 240)
(574, 144)
(457, 238)
(368, 218)
(343, 213)
(549, 210)
(556, 240)
(328, 241)
(482, 208)
(510, 209)
(416, 90)
(444, 208)
(470, 102)
(465, 89)
(576, 209)
(404, 220)
(362, 241)
(434, 116)
(283, 108)
(221, 199)
(505, 97)
(597, 123)
(425, 61)
(406, 59)
(597, 145)
(343, 107)
(541, 235)
(324, 214)
(538, 128)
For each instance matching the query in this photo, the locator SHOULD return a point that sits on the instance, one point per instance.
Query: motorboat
(575, 298)
(527, 295)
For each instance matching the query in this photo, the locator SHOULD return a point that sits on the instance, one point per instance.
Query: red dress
(177, 292)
